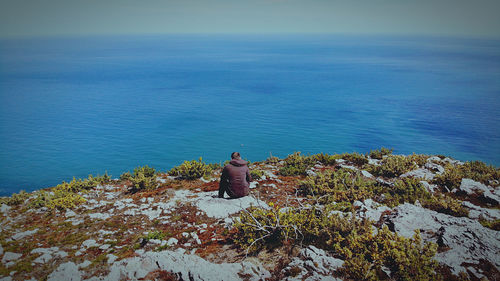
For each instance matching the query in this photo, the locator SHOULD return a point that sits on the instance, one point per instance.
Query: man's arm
(249, 177)
(223, 183)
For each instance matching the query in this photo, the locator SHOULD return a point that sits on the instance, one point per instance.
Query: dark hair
(235, 155)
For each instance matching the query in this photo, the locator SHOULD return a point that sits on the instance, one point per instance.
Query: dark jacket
(235, 179)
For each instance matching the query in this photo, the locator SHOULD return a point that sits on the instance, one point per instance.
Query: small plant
(191, 170)
(349, 238)
(326, 159)
(341, 185)
(296, 164)
(143, 178)
(355, 158)
(493, 224)
(15, 199)
(476, 170)
(394, 166)
(155, 235)
(273, 160)
(379, 154)
(256, 174)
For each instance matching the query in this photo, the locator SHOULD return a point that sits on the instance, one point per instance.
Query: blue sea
(75, 106)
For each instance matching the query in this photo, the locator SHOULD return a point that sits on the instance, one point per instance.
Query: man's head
(235, 155)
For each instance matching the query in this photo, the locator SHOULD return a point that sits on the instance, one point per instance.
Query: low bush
(493, 224)
(273, 160)
(355, 158)
(143, 178)
(191, 170)
(349, 238)
(393, 166)
(326, 159)
(380, 153)
(15, 199)
(476, 170)
(296, 164)
(445, 204)
(256, 174)
(341, 185)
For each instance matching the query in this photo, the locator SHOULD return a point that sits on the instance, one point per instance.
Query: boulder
(465, 239)
(472, 187)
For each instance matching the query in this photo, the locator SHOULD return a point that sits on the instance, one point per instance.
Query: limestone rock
(66, 271)
(467, 240)
(184, 266)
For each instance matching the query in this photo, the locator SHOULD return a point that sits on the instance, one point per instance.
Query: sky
(26, 18)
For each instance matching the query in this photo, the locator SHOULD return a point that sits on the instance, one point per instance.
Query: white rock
(372, 210)
(10, 256)
(311, 173)
(475, 211)
(434, 167)
(185, 266)
(375, 162)
(315, 264)
(221, 208)
(152, 214)
(349, 167)
(104, 247)
(367, 174)
(253, 185)
(419, 173)
(24, 234)
(430, 187)
(89, 243)
(84, 264)
(5, 208)
(473, 187)
(99, 216)
(69, 213)
(66, 271)
(467, 239)
(111, 258)
(8, 278)
(172, 241)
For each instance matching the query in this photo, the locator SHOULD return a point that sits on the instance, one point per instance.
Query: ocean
(74, 106)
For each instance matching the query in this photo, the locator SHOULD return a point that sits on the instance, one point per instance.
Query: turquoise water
(78, 106)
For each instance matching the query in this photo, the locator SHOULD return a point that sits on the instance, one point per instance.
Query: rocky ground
(182, 231)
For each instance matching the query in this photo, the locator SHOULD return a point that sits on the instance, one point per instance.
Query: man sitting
(235, 178)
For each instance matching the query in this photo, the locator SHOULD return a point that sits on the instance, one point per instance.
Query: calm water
(78, 106)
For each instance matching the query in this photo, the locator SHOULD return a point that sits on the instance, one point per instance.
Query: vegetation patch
(349, 238)
(380, 153)
(143, 178)
(296, 164)
(476, 170)
(194, 169)
(394, 166)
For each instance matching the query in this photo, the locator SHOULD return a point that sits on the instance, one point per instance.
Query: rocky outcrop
(183, 266)
(463, 240)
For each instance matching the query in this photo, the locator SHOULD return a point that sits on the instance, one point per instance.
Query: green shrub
(15, 199)
(273, 160)
(349, 238)
(60, 197)
(355, 158)
(296, 164)
(476, 170)
(256, 174)
(341, 185)
(494, 224)
(446, 205)
(379, 154)
(155, 235)
(191, 170)
(326, 159)
(405, 190)
(143, 178)
(393, 166)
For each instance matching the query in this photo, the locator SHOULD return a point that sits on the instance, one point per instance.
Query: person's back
(235, 178)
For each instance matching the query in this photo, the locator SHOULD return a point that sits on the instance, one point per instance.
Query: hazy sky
(72, 17)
